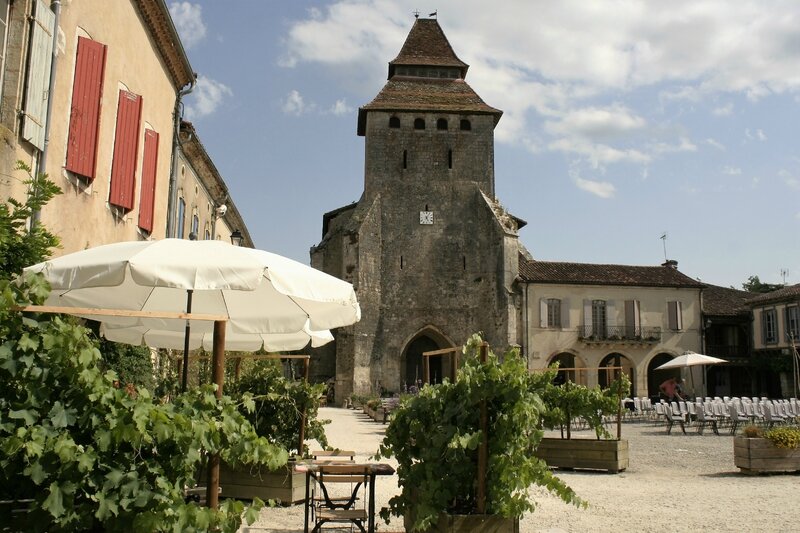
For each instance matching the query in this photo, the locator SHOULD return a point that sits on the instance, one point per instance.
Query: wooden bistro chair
(336, 491)
(333, 456)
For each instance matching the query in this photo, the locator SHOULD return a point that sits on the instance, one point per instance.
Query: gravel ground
(674, 483)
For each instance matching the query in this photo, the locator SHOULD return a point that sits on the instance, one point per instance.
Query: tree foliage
(570, 401)
(92, 456)
(21, 246)
(435, 437)
(753, 284)
(279, 404)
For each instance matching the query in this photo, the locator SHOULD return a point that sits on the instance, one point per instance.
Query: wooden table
(317, 471)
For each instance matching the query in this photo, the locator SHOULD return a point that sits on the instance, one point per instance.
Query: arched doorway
(606, 376)
(656, 377)
(577, 375)
(414, 366)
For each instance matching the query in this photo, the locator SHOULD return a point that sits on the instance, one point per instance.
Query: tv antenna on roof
(784, 272)
(664, 239)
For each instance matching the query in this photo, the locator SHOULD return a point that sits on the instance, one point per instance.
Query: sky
(624, 120)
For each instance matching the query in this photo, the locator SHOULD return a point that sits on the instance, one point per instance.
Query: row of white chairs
(733, 413)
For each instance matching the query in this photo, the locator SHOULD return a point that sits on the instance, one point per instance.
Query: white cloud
(758, 134)
(683, 145)
(294, 104)
(188, 19)
(206, 98)
(599, 155)
(731, 171)
(791, 180)
(603, 189)
(597, 123)
(340, 108)
(723, 111)
(716, 144)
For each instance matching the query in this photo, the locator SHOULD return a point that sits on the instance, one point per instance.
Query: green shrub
(279, 404)
(435, 437)
(93, 456)
(784, 437)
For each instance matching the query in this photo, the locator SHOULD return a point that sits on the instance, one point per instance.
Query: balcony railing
(649, 335)
(727, 350)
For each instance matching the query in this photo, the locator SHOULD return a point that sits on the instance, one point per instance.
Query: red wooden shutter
(126, 146)
(84, 117)
(147, 197)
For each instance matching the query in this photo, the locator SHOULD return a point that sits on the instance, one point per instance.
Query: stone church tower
(431, 253)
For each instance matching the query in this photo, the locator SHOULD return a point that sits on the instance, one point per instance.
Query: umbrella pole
(185, 375)
(218, 377)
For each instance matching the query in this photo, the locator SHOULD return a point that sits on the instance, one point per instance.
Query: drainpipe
(172, 199)
(41, 163)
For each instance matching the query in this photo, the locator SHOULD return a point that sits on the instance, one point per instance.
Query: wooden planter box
(284, 485)
(592, 454)
(757, 456)
(476, 523)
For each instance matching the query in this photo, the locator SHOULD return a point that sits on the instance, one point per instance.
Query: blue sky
(623, 120)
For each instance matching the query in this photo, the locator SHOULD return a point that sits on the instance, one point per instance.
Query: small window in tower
(464, 261)
(394, 122)
(465, 125)
(419, 123)
(441, 124)
(401, 262)
(405, 159)
(450, 159)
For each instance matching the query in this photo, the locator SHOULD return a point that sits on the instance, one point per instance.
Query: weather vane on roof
(416, 13)
(435, 14)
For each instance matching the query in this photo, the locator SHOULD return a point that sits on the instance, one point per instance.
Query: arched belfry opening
(427, 340)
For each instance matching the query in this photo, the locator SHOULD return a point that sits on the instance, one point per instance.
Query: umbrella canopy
(202, 336)
(691, 359)
(267, 298)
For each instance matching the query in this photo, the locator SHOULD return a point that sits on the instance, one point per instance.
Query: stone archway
(656, 377)
(570, 361)
(426, 340)
(606, 376)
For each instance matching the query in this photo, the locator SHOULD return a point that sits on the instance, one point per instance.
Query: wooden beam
(443, 351)
(66, 310)
(218, 377)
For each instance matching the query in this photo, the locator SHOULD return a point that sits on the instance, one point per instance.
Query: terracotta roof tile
(421, 94)
(792, 292)
(722, 301)
(427, 45)
(592, 274)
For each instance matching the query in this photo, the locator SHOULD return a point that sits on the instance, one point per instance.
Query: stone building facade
(429, 250)
(435, 258)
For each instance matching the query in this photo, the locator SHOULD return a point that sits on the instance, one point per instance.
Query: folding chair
(336, 491)
(671, 417)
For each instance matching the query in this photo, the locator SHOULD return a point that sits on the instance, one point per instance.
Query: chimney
(670, 263)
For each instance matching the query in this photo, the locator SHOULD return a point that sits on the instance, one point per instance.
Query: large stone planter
(476, 523)
(592, 454)
(284, 485)
(760, 456)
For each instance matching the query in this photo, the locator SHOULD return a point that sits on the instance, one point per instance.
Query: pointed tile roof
(427, 45)
(592, 274)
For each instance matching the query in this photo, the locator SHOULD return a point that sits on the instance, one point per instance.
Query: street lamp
(237, 238)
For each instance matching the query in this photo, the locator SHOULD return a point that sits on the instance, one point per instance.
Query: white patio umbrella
(269, 300)
(689, 359)
(264, 296)
(202, 336)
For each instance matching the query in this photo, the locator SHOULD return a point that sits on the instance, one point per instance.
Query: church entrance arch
(656, 377)
(575, 369)
(606, 376)
(426, 340)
